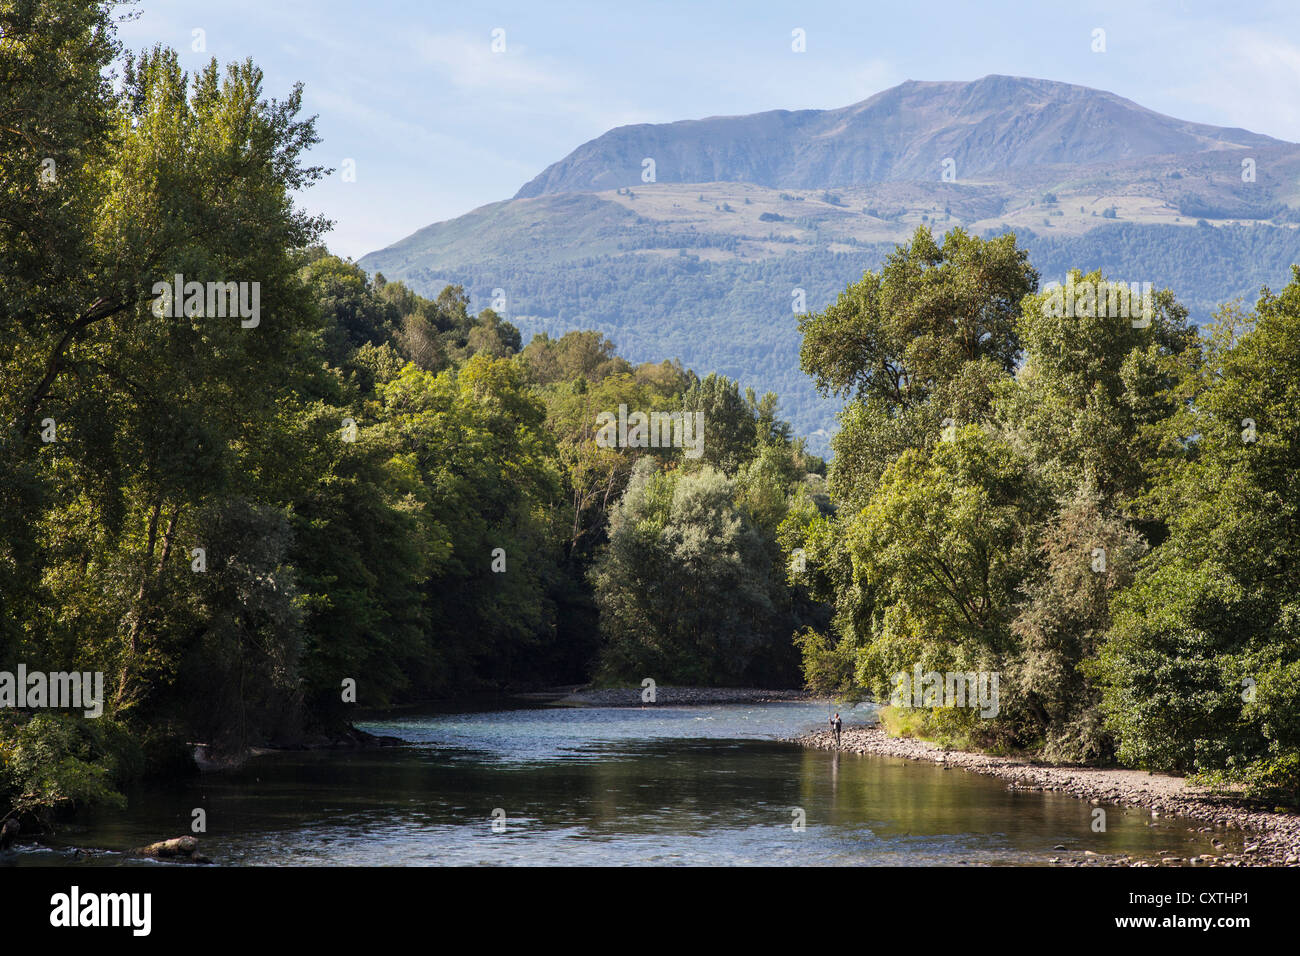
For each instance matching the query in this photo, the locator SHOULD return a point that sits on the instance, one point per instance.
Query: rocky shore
(631, 696)
(1271, 838)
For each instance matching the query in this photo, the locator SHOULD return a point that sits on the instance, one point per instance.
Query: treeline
(732, 316)
(1099, 511)
(357, 496)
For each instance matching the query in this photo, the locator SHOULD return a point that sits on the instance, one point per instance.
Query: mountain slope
(711, 270)
(986, 127)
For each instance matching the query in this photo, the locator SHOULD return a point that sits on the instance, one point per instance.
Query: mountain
(989, 127)
(707, 263)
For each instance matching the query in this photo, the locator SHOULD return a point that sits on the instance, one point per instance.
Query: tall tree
(1200, 668)
(920, 342)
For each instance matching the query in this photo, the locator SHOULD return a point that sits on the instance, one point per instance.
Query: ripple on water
(659, 785)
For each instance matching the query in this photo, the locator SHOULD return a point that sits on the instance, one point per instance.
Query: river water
(654, 785)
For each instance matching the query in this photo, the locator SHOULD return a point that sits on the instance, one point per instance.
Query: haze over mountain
(707, 262)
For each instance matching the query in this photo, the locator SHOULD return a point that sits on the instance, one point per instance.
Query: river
(659, 785)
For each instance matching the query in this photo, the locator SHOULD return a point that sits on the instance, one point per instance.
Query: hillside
(706, 269)
(991, 126)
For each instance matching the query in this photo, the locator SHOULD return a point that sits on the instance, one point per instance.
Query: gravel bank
(1272, 839)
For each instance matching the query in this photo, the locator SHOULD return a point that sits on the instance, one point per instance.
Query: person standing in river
(837, 725)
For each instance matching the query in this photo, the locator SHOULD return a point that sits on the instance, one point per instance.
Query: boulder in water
(183, 849)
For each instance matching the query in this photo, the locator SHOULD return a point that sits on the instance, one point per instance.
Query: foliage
(687, 589)
(1108, 524)
(1200, 668)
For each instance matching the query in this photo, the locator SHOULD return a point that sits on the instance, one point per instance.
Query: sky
(436, 122)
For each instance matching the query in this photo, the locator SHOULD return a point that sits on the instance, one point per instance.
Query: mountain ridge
(906, 132)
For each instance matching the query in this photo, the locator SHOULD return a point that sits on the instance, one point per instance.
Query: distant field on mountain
(707, 270)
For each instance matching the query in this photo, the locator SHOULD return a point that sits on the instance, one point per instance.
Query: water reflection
(681, 785)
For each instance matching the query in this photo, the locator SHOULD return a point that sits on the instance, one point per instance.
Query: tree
(919, 344)
(1093, 389)
(353, 311)
(686, 590)
(1088, 554)
(905, 334)
(929, 540)
(575, 355)
(1199, 668)
(729, 433)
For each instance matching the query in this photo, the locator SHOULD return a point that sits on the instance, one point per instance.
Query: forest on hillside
(690, 307)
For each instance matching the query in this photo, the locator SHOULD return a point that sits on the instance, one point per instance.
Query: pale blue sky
(439, 124)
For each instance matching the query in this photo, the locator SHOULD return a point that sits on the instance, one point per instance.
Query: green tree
(1088, 554)
(686, 588)
(1087, 402)
(729, 422)
(1200, 665)
(917, 344)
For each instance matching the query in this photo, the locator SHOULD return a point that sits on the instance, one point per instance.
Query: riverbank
(679, 696)
(1272, 839)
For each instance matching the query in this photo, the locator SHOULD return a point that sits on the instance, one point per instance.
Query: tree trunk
(145, 592)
